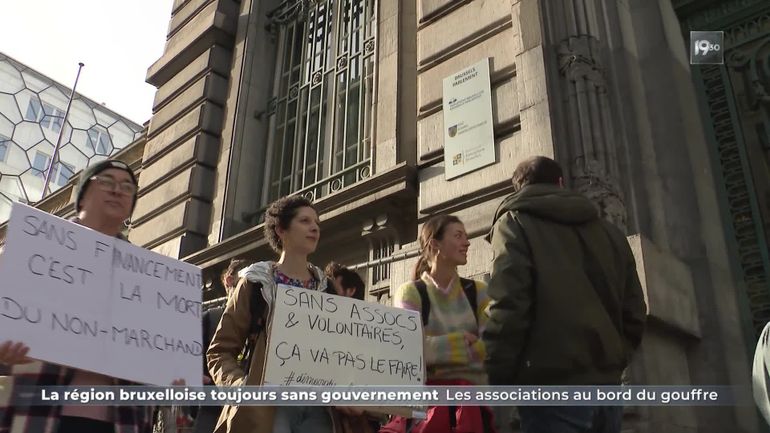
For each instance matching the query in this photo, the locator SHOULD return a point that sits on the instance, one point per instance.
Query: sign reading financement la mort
(82, 299)
(319, 339)
(469, 139)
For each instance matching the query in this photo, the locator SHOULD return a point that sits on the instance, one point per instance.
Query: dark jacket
(210, 320)
(207, 416)
(227, 344)
(567, 307)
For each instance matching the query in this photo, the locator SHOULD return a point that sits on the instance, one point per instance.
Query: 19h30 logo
(706, 48)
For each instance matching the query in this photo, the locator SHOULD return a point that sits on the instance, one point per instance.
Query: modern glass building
(343, 101)
(32, 108)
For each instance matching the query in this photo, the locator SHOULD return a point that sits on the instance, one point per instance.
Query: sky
(117, 40)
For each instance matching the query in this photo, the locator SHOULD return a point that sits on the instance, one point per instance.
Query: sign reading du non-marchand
(469, 140)
(82, 299)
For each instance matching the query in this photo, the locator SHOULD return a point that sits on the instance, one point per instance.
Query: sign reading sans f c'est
(79, 298)
(321, 339)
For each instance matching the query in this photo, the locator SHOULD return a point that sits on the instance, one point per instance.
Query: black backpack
(469, 288)
(258, 307)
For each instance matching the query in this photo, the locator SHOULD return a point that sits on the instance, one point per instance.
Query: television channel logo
(707, 48)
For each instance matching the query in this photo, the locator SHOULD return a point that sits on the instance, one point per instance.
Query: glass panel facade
(99, 140)
(40, 163)
(64, 173)
(45, 114)
(34, 110)
(32, 119)
(3, 147)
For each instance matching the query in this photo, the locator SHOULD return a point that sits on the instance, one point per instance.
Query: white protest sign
(469, 138)
(79, 298)
(322, 339)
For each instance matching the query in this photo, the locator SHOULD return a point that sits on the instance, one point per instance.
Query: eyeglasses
(106, 183)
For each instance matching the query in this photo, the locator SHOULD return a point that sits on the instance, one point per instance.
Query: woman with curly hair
(292, 228)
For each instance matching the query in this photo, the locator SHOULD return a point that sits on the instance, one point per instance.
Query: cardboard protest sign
(321, 339)
(83, 299)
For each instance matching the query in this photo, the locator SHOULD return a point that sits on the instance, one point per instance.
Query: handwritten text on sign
(322, 339)
(83, 299)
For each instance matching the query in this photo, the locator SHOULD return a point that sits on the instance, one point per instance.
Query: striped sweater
(447, 356)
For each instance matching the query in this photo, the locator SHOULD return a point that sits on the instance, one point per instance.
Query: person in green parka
(566, 304)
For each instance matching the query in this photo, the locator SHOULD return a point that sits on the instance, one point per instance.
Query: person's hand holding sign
(12, 353)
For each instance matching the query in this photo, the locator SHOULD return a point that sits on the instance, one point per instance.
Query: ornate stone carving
(290, 10)
(591, 179)
(317, 78)
(293, 92)
(342, 63)
(591, 175)
(576, 60)
(711, 15)
(736, 177)
(369, 46)
(747, 30)
(754, 65)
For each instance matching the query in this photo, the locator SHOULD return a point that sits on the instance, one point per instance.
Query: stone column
(586, 141)
(622, 95)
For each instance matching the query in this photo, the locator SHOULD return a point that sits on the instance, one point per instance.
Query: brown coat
(228, 343)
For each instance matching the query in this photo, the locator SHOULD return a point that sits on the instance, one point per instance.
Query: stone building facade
(341, 100)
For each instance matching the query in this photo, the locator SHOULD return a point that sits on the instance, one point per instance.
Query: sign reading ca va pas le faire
(82, 299)
(469, 140)
(320, 339)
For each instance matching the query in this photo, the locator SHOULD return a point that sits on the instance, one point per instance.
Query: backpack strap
(422, 290)
(452, 418)
(469, 287)
(257, 307)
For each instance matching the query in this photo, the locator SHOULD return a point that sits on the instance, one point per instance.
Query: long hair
(432, 229)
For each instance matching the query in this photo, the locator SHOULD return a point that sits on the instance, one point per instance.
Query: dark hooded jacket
(567, 306)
